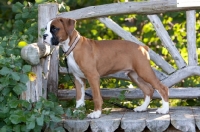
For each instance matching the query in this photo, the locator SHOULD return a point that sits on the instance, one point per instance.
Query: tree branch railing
(47, 69)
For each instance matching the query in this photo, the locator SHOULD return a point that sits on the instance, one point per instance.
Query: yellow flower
(32, 76)
(21, 44)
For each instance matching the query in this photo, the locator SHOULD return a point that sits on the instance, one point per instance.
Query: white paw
(140, 109)
(162, 110)
(80, 103)
(95, 114)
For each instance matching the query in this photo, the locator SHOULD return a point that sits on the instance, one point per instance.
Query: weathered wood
(50, 79)
(33, 52)
(128, 36)
(157, 122)
(145, 7)
(52, 83)
(119, 75)
(196, 112)
(181, 74)
(166, 40)
(183, 119)
(134, 121)
(76, 125)
(45, 62)
(135, 93)
(107, 123)
(34, 90)
(45, 13)
(191, 37)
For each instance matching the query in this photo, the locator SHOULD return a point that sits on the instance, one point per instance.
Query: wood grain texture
(191, 37)
(166, 40)
(157, 122)
(107, 123)
(143, 7)
(134, 122)
(135, 93)
(183, 119)
(76, 125)
(196, 112)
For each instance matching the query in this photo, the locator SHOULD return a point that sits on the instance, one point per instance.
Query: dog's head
(58, 30)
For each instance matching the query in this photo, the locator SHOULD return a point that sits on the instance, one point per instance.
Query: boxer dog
(92, 59)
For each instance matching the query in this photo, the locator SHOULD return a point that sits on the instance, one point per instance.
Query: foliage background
(18, 22)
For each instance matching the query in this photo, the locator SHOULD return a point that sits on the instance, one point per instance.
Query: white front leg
(81, 101)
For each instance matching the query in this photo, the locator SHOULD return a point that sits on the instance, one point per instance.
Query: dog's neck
(65, 45)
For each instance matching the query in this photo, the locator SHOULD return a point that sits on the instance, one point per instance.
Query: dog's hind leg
(145, 87)
(149, 76)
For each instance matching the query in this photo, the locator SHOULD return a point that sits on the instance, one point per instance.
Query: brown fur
(100, 58)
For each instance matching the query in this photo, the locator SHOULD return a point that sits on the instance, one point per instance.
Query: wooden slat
(157, 122)
(134, 122)
(120, 75)
(76, 125)
(196, 112)
(128, 36)
(134, 93)
(52, 84)
(107, 123)
(143, 7)
(166, 40)
(191, 37)
(181, 74)
(183, 119)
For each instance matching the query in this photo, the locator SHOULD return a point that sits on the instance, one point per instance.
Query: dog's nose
(44, 36)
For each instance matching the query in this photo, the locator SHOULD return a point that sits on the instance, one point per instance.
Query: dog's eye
(54, 29)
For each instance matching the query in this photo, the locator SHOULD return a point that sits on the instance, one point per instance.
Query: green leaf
(25, 14)
(24, 78)
(40, 120)
(26, 104)
(69, 112)
(6, 91)
(19, 88)
(5, 71)
(59, 129)
(15, 76)
(30, 125)
(26, 68)
(16, 128)
(55, 119)
(19, 25)
(17, 8)
(18, 16)
(1, 50)
(38, 105)
(12, 43)
(14, 119)
(58, 110)
(13, 103)
(49, 104)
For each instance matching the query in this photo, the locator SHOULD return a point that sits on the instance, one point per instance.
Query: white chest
(73, 66)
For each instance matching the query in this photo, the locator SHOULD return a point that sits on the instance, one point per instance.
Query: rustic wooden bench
(181, 118)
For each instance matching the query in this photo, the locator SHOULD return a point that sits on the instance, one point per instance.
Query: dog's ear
(69, 24)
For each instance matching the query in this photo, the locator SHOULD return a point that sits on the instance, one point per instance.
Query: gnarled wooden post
(44, 70)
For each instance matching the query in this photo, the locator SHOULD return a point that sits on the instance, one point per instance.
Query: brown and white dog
(91, 59)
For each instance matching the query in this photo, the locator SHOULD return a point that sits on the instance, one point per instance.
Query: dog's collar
(73, 45)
